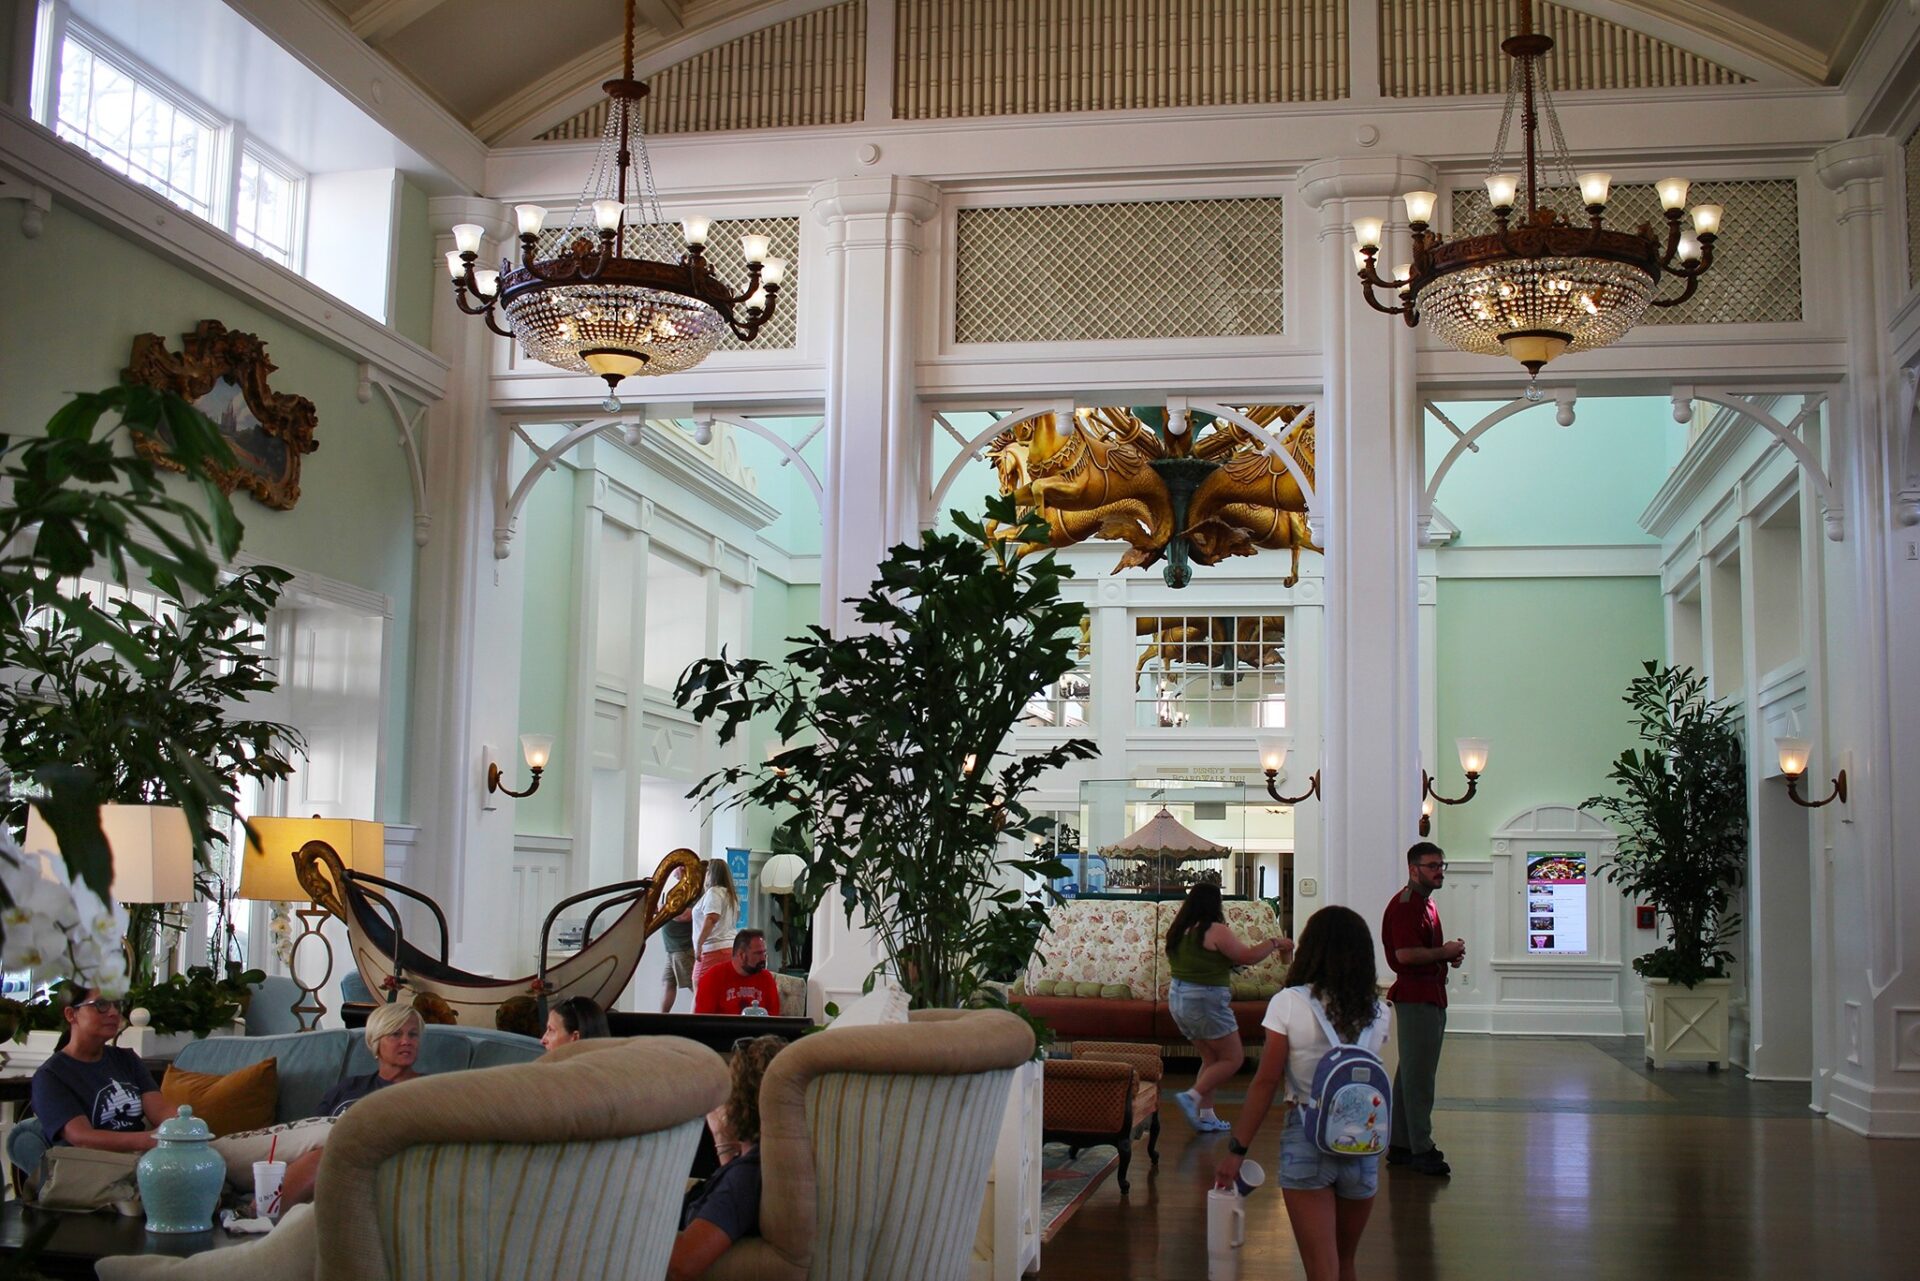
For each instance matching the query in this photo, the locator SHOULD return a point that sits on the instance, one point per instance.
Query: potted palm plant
(894, 735)
(1680, 809)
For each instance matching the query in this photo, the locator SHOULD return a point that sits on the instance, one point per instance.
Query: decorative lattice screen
(1431, 48)
(1913, 209)
(810, 70)
(1155, 269)
(723, 254)
(1756, 263)
(956, 58)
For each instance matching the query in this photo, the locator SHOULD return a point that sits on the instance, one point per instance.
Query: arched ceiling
(509, 68)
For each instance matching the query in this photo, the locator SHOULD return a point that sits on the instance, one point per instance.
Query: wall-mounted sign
(1556, 916)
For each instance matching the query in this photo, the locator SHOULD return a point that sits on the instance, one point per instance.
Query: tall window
(1210, 670)
(137, 123)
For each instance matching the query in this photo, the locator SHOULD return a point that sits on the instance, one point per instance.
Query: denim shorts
(1201, 1012)
(1305, 1168)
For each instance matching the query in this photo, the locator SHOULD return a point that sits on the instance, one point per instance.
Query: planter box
(1687, 1024)
(35, 1050)
(149, 1044)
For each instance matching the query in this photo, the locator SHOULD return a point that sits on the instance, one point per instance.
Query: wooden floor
(1571, 1160)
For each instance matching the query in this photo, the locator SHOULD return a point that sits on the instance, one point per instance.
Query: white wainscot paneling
(538, 881)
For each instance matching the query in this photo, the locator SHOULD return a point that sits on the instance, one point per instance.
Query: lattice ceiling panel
(1154, 269)
(723, 255)
(1756, 262)
(1913, 209)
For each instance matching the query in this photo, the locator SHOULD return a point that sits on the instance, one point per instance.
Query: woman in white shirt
(716, 918)
(1328, 1197)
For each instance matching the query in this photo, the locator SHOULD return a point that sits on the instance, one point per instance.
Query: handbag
(88, 1179)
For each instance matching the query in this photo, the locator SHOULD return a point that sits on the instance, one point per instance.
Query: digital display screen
(1556, 918)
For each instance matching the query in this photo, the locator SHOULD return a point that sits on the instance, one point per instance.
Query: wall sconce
(537, 748)
(1473, 763)
(1794, 753)
(1273, 757)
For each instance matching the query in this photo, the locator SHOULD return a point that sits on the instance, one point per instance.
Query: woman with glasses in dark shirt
(94, 1095)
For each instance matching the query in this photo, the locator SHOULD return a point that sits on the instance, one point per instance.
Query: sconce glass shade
(266, 870)
(779, 874)
(1794, 755)
(537, 749)
(1473, 754)
(152, 850)
(1273, 750)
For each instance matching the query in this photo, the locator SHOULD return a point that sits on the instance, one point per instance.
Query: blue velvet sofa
(308, 1065)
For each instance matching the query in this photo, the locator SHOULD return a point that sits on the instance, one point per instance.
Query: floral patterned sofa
(1100, 972)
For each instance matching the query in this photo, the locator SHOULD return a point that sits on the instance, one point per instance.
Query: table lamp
(267, 874)
(152, 850)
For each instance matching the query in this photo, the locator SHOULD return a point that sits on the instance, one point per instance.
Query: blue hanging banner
(740, 864)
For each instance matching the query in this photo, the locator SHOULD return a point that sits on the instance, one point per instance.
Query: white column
(466, 662)
(1872, 1078)
(870, 311)
(1369, 486)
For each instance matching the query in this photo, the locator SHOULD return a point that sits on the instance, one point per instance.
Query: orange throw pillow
(229, 1104)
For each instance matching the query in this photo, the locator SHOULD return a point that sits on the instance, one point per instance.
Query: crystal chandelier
(622, 295)
(1540, 285)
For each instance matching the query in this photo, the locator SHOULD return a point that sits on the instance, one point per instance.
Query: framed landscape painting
(224, 373)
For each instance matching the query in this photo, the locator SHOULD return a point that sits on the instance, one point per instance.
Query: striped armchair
(875, 1144)
(572, 1166)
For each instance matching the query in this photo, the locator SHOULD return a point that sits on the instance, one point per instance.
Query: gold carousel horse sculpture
(601, 969)
(1203, 495)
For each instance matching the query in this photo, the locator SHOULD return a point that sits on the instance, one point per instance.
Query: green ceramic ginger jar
(180, 1178)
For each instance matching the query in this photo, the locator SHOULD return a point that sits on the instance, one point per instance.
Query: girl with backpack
(1325, 1031)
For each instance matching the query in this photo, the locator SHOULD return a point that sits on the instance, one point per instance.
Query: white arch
(510, 495)
(1563, 398)
(970, 451)
(1831, 508)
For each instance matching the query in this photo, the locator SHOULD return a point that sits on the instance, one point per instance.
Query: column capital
(444, 212)
(1854, 160)
(840, 200)
(1363, 178)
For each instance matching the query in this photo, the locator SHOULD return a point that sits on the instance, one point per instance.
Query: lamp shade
(779, 874)
(152, 850)
(1794, 753)
(267, 871)
(1473, 754)
(1273, 750)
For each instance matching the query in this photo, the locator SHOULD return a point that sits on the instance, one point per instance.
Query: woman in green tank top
(1202, 950)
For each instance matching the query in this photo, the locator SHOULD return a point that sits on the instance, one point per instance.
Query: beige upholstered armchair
(572, 1166)
(875, 1144)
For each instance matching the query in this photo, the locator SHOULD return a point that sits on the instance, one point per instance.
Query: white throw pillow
(285, 1142)
(887, 1003)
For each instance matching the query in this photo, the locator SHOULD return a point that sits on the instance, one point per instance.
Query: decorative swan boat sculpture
(601, 969)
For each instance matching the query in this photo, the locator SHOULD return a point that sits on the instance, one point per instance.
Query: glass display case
(1156, 838)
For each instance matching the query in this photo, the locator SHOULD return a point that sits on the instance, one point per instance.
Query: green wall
(1534, 483)
(1538, 667)
(76, 297)
(545, 538)
(415, 274)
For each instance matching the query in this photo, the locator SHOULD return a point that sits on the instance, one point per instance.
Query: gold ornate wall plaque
(224, 373)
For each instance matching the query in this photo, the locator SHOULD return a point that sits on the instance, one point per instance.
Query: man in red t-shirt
(741, 982)
(1410, 934)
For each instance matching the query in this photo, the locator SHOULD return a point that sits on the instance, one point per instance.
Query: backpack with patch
(1349, 1107)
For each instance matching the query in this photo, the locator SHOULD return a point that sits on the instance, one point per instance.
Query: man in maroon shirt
(741, 982)
(1410, 933)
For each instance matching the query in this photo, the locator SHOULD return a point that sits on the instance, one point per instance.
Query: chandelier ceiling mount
(618, 294)
(1541, 284)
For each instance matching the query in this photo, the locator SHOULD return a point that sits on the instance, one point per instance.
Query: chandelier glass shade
(619, 292)
(1541, 285)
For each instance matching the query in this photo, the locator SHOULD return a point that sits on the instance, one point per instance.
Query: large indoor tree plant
(1680, 809)
(891, 765)
(74, 500)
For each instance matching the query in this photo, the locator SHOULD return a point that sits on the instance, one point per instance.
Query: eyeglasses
(101, 1006)
(1432, 867)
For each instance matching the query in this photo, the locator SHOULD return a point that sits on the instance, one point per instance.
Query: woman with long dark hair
(578, 1018)
(1202, 950)
(1329, 1197)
